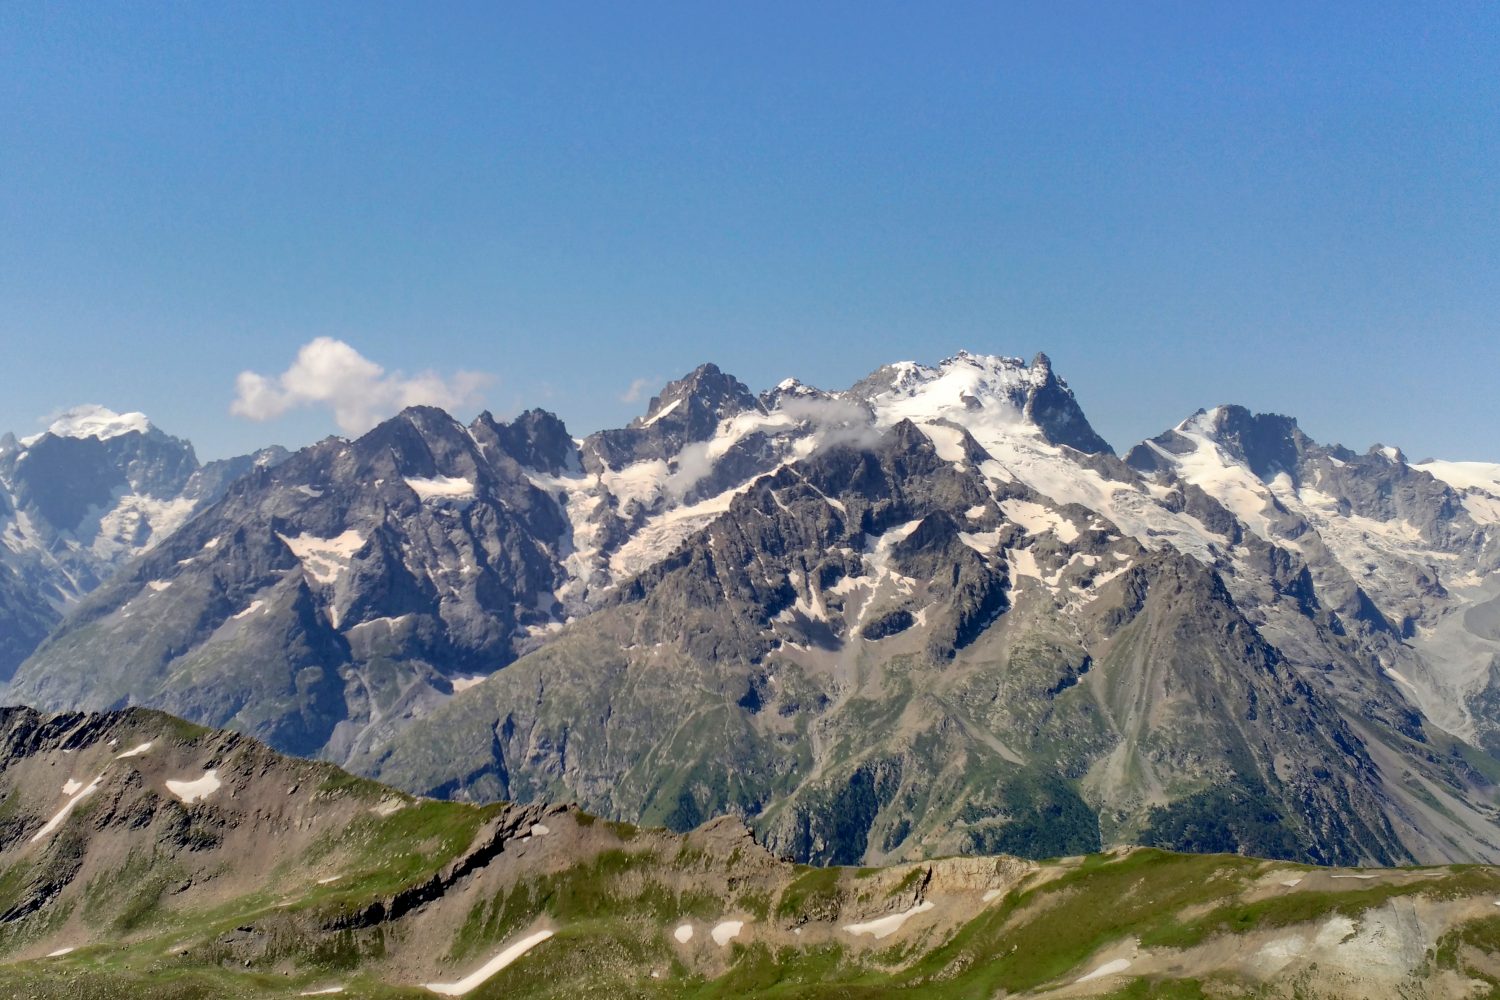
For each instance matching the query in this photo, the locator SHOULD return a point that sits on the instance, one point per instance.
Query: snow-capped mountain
(932, 612)
(92, 491)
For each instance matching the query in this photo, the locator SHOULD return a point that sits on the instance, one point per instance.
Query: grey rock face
(1051, 406)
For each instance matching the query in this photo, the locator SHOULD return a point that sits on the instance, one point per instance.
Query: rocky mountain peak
(969, 384)
(687, 411)
(698, 401)
(537, 439)
(790, 389)
(1269, 443)
(1050, 405)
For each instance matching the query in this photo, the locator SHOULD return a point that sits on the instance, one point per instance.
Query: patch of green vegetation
(625, 832)
(908, 881)
(388, 853)
(1048, 819)
(755, 903)
(129, 897)
(1453, 950)
(1227, 819)
(1163, 989)
(814, 894)
(1038, 935)
(1291, 908)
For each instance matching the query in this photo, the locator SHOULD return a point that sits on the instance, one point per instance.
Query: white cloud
(330, 373)
(637, 390)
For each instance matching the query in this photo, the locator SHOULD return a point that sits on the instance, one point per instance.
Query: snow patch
(674, 404)
(1038, 520)
(488, 969)
(324, 558)
(726, 931)
(684, 932)
(1107, 969)
(884, 927)
(1465, 475)
(441, 487)
(159, 585)
(540, 830)
(60, 952)
(70, 786)
(67, 807)
(135, 751)
(196, 790)
(464, 683)
(254, 607)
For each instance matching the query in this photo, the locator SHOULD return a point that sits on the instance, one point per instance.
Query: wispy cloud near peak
(360, 393)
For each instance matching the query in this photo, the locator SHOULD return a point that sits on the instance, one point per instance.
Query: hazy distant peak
(94, 421)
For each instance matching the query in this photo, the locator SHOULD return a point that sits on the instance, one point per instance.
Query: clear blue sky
(1293, 206)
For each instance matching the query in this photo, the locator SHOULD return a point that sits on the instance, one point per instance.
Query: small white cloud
(637, 390)
(328, 372)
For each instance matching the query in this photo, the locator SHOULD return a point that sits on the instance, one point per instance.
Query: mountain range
(933, 613)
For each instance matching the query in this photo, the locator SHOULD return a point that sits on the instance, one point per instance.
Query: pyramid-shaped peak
(699, 399)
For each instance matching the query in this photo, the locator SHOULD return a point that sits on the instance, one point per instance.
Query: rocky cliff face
(932, 613)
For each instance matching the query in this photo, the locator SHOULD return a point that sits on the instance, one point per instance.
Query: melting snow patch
(254, 607)
(323, 558)
(661, 413)
(441, 487)
(67, 807)
(1292, 883)
(539, 830)
(388, 807)
(159, 585)
(331, 878)
(684, 933)
(1038, 520)
(196, 790)
(885, 926)
(992, 894)
(1352, 876)
(70, 786)
(489, 968)
(59, 952)
(464, 683)
(325, 991)
(727, 931)
(1107, 969)
(135, 751)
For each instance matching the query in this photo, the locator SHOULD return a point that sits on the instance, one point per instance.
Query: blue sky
(1291, 206)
